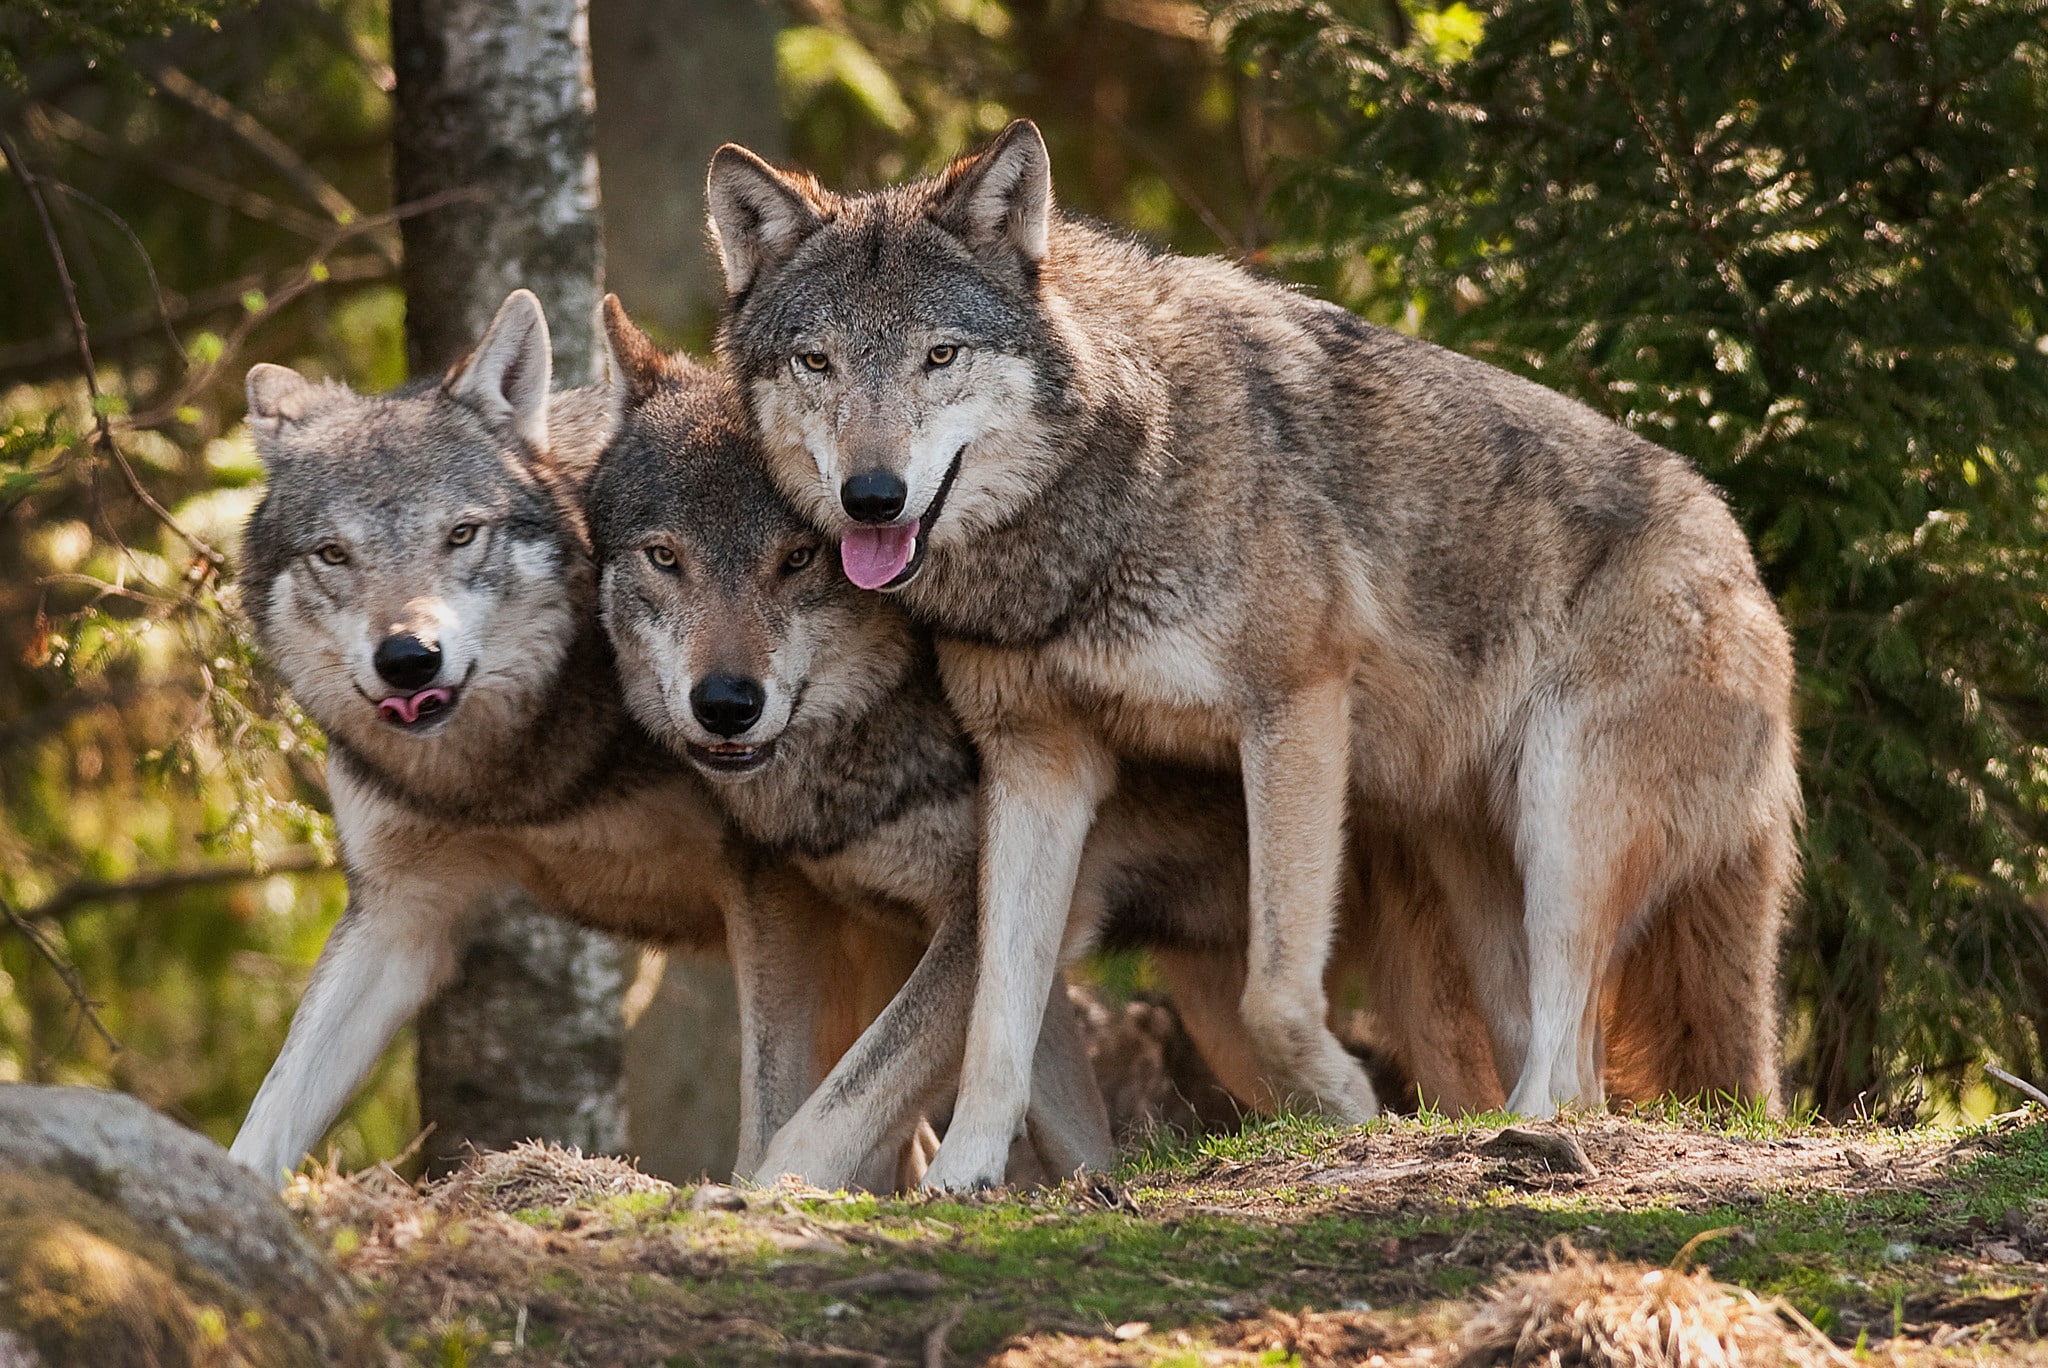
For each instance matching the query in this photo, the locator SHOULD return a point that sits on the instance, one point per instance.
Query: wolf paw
(963, 1166)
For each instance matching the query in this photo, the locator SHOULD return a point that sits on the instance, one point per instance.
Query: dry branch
(69, 899)
(210, 560)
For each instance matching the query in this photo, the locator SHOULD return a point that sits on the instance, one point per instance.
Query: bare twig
(68, 973)
(935, 1338)
(27, 358)
(67, 900)
(267, 145)
(210, 559)
(156, 289)
(311, 274)
(2018, 1084)
(1175, 182)
(249, 203)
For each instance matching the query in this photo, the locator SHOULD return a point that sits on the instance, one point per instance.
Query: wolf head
(892, 345)
(731, 623)
(413, 568)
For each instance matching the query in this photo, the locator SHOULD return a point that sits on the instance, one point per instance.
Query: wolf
(815, 714)
(1155, 506)
(419, 572)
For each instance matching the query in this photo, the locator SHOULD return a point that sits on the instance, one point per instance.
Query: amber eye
(331, 554)
(462, 534)
(663, 558)
(941, 356)
(816, 362)
(799, 558)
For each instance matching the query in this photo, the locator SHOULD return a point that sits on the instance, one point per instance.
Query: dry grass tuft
(538, 1174)
(1585, 1313)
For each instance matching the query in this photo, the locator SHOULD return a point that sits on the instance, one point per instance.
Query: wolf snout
(874, 496)
(405, 662)
(727, 705)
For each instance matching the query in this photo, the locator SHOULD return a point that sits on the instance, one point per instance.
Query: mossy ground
(1286, 1242)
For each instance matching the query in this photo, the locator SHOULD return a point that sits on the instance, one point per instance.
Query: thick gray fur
(1192, 515)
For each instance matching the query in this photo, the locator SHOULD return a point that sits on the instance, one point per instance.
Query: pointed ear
(1001, 199)
(634, 365)
(508, 375)
(758, 215)
(277, 395)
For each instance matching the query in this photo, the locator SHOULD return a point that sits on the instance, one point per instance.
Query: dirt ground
(1596, 1240)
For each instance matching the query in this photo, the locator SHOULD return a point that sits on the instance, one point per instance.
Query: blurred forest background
(1802, 243)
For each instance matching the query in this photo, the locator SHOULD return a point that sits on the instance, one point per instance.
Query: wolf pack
(1008, 589)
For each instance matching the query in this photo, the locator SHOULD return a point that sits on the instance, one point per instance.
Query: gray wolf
(419, 572)
(815, 713)
(1156, 507)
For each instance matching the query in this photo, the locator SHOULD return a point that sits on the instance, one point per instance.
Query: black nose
(873, 496)
(726, 704)
(406, 662)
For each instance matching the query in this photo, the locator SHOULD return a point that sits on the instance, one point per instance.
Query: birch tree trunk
(496, 95)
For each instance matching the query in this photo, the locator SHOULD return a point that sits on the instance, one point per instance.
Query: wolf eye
(941, 356)
(816, 362)
(331, 553)
(663, 558)
(799, 558)
(462, 534)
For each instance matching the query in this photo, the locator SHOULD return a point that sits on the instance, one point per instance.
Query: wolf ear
(508, 375)
(758, 215)
(633, 364)
(1002, 197)
(277, 395)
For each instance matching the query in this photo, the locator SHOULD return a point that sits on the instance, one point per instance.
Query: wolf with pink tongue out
(1159, 508)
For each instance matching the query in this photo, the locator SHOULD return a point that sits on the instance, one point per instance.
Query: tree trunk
(674, 81)
(495, 96)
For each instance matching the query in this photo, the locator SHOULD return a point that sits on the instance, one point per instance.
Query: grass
(1889, 1239)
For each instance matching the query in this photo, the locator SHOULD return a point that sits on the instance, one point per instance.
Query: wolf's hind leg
(1067, 1120)
(1591, 857)
(1207, 988)
(773, 935)
(1421, 984)
(399, 941)
(873, 1094)
(1296, 772)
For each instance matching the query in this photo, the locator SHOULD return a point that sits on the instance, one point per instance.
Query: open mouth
(731, 758)
(888, 558)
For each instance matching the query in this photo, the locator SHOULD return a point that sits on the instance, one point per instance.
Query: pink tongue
(407, 707)
(875, 555)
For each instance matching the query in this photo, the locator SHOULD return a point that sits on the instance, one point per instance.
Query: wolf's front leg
(774, 937)
(399, 941)
(874, 1093)
(1067, 1120)
(1296, 757)
(1040, 789)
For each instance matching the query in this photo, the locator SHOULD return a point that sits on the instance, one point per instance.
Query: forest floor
(1665, 1240)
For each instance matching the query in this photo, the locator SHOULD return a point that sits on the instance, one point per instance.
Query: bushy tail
(1692, 1005)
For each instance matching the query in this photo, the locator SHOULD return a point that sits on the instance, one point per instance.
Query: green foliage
(1804, 245)
(139, 733)
(96, 30)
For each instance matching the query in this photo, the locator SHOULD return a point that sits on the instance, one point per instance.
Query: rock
(717, 1197)
(126, 1239)
(1556, 1151)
